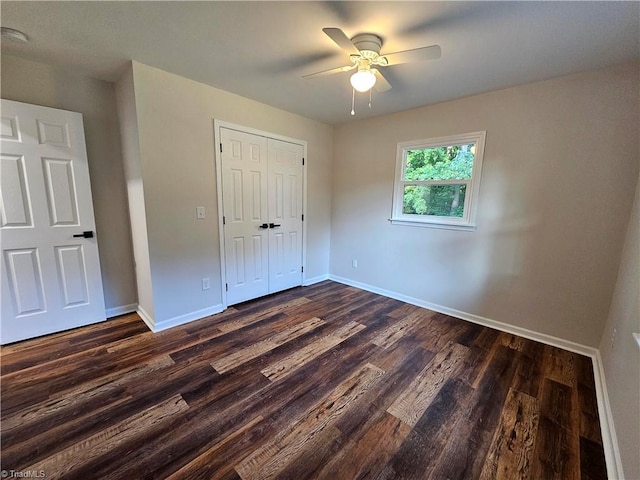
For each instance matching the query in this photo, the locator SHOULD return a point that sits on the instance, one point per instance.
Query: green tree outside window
(447, 163)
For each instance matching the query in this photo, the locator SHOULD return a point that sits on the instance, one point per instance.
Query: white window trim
(467, 221)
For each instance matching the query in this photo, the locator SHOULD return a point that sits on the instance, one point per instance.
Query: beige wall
(40, 84)
(176, 144)
(621, 360)
(560, 167)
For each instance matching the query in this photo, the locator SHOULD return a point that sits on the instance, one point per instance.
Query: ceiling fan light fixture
(363, 80)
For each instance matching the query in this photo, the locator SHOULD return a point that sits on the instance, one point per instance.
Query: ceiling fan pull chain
(353, 101)
(370, 99)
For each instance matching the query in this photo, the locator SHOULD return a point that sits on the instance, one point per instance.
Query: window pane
(452, 162)
(440, 200)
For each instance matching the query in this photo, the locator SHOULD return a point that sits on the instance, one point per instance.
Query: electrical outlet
(206, 284)
(354, 263)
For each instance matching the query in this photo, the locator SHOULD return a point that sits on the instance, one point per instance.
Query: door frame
(217, 125)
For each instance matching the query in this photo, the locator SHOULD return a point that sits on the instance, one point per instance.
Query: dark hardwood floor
(320, 382)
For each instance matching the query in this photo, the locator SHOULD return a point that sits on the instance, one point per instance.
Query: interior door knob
(87, 234)
(264, 225)
(273, 225)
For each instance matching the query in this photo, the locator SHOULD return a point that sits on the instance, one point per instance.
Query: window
(437, 181)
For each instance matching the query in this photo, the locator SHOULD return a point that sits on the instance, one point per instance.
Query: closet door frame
(217, 125)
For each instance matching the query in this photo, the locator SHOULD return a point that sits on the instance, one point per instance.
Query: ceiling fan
(364, 54)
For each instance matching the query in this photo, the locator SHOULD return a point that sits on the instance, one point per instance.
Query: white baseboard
(121, 310)
(180, 320)
(312, 280)
(470, 317)
(146, 318)
(609, 439)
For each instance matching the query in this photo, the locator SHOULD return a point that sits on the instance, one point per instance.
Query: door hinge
(303, 217)
(224, 220)
(303, 161)
(302, 269)
(221, 147)
(226, 287)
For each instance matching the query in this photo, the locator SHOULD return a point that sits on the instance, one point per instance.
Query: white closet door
(262, 209)
(246, 232)
(285, 214)
(50, 267)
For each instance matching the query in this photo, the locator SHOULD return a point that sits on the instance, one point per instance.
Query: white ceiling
(260, 50)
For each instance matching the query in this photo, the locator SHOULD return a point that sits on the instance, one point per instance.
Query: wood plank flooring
(319, 382)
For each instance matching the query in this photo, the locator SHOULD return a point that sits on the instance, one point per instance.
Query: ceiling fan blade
(416, 55)
(382, 84)
(331, 71)
(341, 39)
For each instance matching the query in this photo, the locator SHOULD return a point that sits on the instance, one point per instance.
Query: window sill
(447, 226)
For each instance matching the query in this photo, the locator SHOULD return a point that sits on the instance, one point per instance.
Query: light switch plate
(200, 213)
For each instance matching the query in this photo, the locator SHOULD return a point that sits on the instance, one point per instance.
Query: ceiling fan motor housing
(367, 42)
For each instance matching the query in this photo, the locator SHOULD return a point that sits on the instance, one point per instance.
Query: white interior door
(244, 198)
(285, 214)
(262, 209)
(50, 272)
